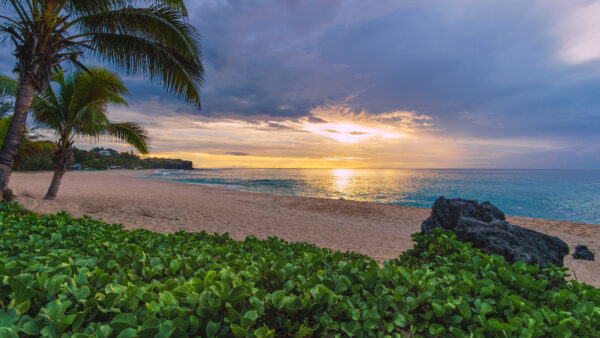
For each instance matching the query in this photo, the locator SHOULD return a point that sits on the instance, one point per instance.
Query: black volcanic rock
(582, 252)
(445, 213)
(486, 228)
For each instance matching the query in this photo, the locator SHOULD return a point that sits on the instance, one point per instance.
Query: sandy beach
(378, 230)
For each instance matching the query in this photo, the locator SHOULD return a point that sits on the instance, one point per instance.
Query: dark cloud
(237, 153)
(488, 69)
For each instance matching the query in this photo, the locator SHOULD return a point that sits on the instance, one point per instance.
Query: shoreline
(379, 230)
(228, 187)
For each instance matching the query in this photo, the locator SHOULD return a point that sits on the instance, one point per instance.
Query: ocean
(568, 195)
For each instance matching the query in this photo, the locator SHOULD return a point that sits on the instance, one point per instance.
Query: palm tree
(79, 109)
(154, 40)
(30, 145)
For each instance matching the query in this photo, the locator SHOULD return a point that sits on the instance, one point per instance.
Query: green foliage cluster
(90, 159)
(79, 277)
(37, 162)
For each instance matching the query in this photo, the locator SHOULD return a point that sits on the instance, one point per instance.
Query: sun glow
(348, 132)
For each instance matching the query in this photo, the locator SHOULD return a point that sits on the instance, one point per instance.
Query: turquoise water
(570, 195)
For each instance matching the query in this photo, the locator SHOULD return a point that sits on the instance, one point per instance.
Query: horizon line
(230, 168)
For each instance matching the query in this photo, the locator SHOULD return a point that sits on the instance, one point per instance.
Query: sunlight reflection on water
(572, 195)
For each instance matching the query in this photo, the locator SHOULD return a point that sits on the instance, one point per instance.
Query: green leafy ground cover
(65, 276)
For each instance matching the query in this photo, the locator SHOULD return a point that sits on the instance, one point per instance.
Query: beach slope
(378, 230)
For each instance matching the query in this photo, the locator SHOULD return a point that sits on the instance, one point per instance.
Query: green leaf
(238, 294)
(83, 293)
(156, 264)
(438, 309)
(350, 328)
(399, 319)
(436, 329)
(457, 332)
(103, 331)
(32, 327)
(8, 318)
(238, 331)
(21, 290)
(6, 332)
(212, 329)
(166, 298)
(465, 310)
(304, 331)
(54, 284)
(370, 324)
(251, 315)
(264, 332)
(483, 307)
(123, 321)
(150, 327)
(249, 318)
(278, 299)
(56, 309)
(128, 333)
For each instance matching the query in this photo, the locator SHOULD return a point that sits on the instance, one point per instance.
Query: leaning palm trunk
(10, 147)
(62, 163)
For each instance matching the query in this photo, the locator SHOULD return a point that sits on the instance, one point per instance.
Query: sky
(383, 84)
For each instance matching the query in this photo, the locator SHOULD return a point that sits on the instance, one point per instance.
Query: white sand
(378, 230)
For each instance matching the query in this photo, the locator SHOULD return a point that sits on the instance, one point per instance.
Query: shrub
(76, 276)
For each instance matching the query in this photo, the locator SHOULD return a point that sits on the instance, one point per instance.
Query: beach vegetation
(79, 109)
(151, 38)
(93, 160)
(65, 276)
(31, 146)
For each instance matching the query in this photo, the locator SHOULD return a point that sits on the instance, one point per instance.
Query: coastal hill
(99, 158)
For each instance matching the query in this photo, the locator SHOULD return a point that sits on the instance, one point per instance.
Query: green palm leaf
(8, 86)
(79, 109)
(130, 132)
(158, 23)
(137, 55)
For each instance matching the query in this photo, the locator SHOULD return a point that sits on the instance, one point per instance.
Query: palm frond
(130, 132)
(98, 85)
(180, 75)
(47, 110)
(8, 85)
(157, 23)
(91, 120)
(95, 6)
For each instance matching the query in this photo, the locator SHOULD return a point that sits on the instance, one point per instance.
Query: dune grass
(79, 277)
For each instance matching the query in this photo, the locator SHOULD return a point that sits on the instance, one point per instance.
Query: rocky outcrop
(486, 228)
(582, 252)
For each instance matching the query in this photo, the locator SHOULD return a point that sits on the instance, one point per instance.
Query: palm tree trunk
(24, 98)
(56, 179)
(62, 163)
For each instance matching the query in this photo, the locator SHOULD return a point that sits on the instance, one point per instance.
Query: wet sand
(378, 230)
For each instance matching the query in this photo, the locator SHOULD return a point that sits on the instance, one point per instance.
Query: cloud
(237, 153)
(493, 83)
(579, 33)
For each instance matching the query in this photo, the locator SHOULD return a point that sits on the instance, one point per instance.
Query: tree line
(94, 160)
